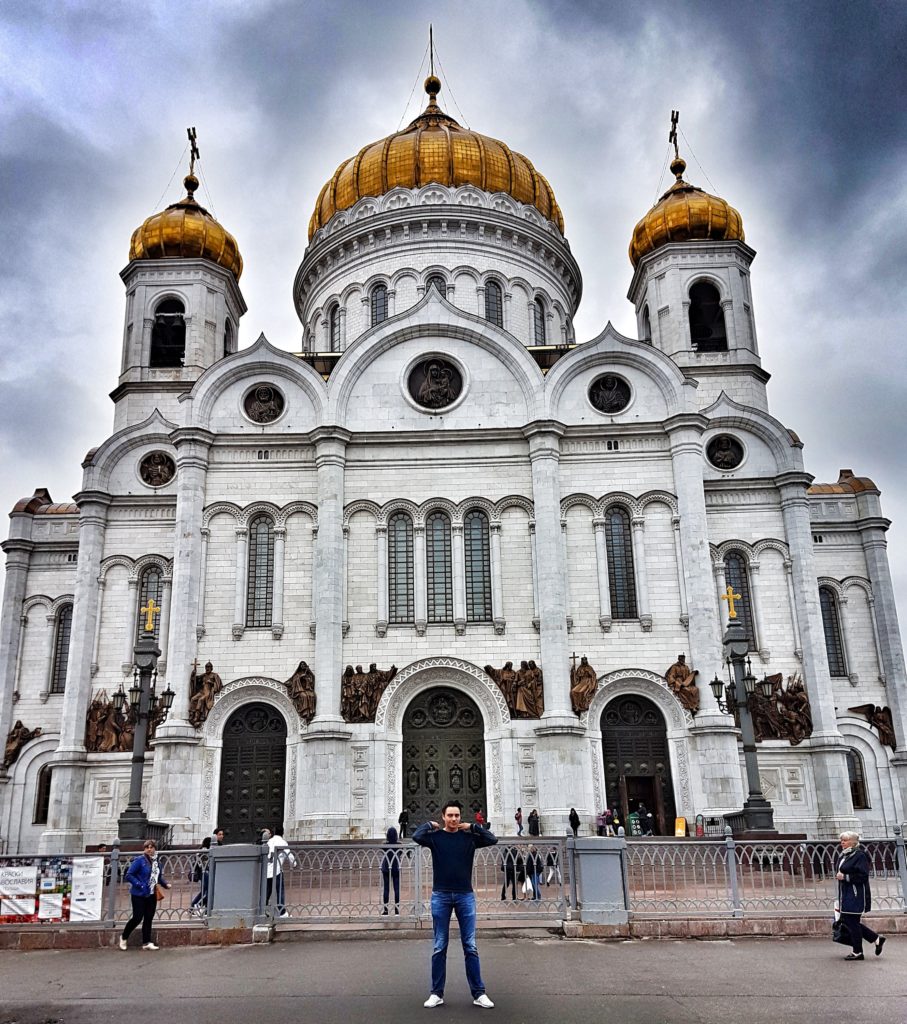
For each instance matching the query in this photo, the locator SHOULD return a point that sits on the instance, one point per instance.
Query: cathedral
(447, 549)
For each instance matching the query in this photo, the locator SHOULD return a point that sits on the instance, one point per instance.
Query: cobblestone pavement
(345, 981)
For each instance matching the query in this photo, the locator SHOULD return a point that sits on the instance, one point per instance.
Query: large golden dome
(685, 213)
(434, 148)
(184, 230)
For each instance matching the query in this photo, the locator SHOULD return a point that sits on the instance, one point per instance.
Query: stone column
(48, 656)
(132, 604)
(497, 583)
(419, 579)
(64, 819)
(877, 639)
(346, 579)
(381, 540)
(833, 803)
(567, 596)
(458, 567)
(534, 561)
(601, 564)
(241, 582)
(164, 631)
(638, 527)
(758, 617)
(96, 646)
(203, 583)
(18, 551)
(794, 617)
(713, 732)
(849, 663)
(681, 583)
(280, 539)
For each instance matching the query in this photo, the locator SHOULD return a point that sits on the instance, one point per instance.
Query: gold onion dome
(434, 149)
(683, 214)
(185, 230)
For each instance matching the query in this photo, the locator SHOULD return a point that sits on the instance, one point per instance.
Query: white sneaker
(483, 1001)
(123, 945)
(149, 945)
(434, 1000)
(286, 913)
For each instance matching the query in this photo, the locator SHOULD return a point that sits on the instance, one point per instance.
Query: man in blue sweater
(453, 847)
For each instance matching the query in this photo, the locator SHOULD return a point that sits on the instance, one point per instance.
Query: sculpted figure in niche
(881, 719)
(301, 689)
(682, 680)
(202, 691)
(157, 469)
(583, 684)
(16, 740)
(264, 404)
(725, 452)
(609, 394)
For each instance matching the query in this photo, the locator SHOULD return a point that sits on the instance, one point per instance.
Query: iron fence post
(113, 881)
(731, 866)
(902, 863)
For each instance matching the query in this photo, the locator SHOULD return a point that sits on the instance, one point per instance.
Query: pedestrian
(854, 896)
(390, 870)
(573, 818)
(453, 846)
(218, 836)
(403, 822)
(534, 870)
(645, 819)
(144, 875)
(511, 865)
(552, 863)
(480, 818)
(199, 904)
(518, 818)
(279, 856)
(535, 827)
(600, 823)
(609, 822)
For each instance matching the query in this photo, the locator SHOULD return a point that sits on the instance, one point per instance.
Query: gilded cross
(149, 611)
(731, 597)
(672, 136)
(193, 149)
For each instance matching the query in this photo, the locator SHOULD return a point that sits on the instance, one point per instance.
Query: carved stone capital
(238, 630)
(277, 630)
(460, 626)
(420, 627)
(500, 627)
(646, 622)
(605, 622)
(381, 628)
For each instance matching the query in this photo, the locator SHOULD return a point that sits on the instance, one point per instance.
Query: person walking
(199, 903)
(854, 896)
(390, 870)
(403, 822)
(279, 856)
(609, 822)
(453, 846)
(518, 818)
(573, 818)
(535, 825)
(144, 875)
(534, 868)
(511, 865)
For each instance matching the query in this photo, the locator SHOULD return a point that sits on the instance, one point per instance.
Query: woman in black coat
(535, 828)
(854, 896)
(574, 821)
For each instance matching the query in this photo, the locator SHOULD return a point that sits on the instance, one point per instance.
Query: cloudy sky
(794, 112)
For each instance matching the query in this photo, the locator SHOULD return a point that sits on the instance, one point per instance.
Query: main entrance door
(443, 755)
(637, 766)
(252, 772)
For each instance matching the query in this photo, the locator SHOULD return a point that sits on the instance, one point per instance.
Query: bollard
(113, 881)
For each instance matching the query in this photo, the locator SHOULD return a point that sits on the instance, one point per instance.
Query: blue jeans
(536, 891)
(464, 905)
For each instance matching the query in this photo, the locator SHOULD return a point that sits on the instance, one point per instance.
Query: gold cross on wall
(731, 597)
(149, 611)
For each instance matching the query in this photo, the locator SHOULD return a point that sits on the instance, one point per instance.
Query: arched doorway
(252, 772)
(443, 755)
(637, 765)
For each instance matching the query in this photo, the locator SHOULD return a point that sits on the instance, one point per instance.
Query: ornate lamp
(119, 698)
(765, 687)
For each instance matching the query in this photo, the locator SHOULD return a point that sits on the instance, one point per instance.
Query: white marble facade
(525, 446)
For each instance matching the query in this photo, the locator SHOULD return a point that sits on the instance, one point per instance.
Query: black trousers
(143, 908)
(509, 879)
(388, 875)
(858, 931)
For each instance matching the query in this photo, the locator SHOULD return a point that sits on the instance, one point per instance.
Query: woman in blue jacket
(143, 875)
(854, 897)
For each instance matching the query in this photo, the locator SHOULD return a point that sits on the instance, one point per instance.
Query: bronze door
(443, 756)
(252, 772)
(637, 766)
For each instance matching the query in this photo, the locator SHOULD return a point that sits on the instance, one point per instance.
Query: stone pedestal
(601, 878)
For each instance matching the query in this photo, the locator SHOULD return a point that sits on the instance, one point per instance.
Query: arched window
(857, 781)
(478, 567)
(437, 282)
(334, 328)
(168, 334)
(62, 632)
(707, 330)
(538, 322)
(42, 796)
(229, 346)
(621, 578)
(260, 593)
(646, 325)
(736, 576)
(831, 625)
(149, 588)
(400, 568)
(438, 571)
(379, 304)
(494, 303)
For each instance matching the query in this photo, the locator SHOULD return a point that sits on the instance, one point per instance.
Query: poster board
(51, 890)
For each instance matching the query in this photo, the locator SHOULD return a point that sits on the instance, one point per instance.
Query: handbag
(159, 892)
(840, 933)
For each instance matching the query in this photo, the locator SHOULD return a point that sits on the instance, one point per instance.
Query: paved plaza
(345, 981)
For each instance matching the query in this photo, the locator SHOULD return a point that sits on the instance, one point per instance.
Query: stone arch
(662, 497)
(704, 277)
(515, 501)
(623, 499)
(220, 508)
(122, 560)
(267, 508)
(399, 505)
(158, 561)
(771, 544)
(833, 585)
(480, 505)
(572, 500)
(294, 507)
(440, 505)
(857, 583)
(58, 603)
(36, 601)
(720, 551)
(363, 505)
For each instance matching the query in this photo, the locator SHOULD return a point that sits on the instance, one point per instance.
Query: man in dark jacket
(453, 846)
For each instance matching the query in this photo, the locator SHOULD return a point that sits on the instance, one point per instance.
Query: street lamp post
(145, 704)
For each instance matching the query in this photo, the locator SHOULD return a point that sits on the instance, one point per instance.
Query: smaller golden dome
(683, 214)
(185, 230)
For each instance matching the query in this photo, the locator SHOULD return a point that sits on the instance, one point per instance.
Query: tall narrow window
(42, 796)
(831, 625)
(538, 322)
(736, 576)
(857, 781)
(260, 594)
(621, 579)
(646, 325)
(334, 328)
(437, 282)
(439, 575)
(494, 303)
(400, 568)
(168, 334)
(229, 347)
(707, 330)
(62, 631)
(149, 589)
(478, 567)
(379, 304)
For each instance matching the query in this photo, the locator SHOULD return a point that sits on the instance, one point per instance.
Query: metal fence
(737, 878)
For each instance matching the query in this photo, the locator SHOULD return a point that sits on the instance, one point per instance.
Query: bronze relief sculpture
(360, 692)
(157, 469)
(301, 688)
(583, 684)
(203, 690)
(881, 720)
(435, 383)
(682, 681)
(522, 689)
(786, 714)
(16, 739)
